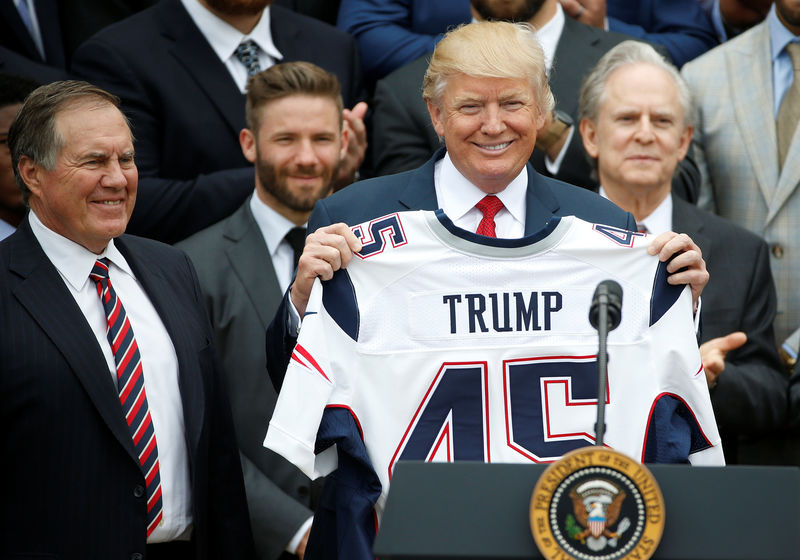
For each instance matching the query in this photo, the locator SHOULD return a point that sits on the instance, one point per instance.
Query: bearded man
(296, 139)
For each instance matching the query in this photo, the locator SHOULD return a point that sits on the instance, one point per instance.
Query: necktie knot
(247, 53)
(489, 206)
(296, 238)
(99, 270)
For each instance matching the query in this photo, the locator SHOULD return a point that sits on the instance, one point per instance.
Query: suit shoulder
(204, 241)
(135, 28)
(586, 204)
(409, 75)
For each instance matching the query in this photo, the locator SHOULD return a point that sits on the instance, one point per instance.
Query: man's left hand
(713, 353)
(688, 266)
(356, 147)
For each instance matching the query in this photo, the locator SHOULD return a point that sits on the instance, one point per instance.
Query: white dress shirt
(458, 197)
(224, 39)
(6, 229)
(159, 363)
(274, 228)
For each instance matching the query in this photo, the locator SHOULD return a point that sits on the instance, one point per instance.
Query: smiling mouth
(109, 202)
(494, 147)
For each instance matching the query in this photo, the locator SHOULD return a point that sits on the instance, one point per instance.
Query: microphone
(605, 314)
(608, 292)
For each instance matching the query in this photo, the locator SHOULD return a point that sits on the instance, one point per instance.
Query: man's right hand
(326, 250)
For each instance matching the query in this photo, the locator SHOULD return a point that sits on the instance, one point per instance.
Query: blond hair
(490, 49)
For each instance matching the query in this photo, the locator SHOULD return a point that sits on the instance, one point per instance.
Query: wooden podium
(449, 511)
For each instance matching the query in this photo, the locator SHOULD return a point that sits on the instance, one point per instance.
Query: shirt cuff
(291, 548)
(293, 321)
(554, 166)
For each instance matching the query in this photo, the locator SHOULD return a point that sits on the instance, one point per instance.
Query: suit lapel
(43, 294)
(420, 192)
(541, 203)
(687, 219)
(50, 26)
(752, 104)
(159, 290)
(249, 258)
(192, 51)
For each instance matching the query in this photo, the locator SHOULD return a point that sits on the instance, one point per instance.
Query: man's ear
(30, 174)
(589, 136)
(437, 119)
(686, 141)
(345, 138)
(247, 141)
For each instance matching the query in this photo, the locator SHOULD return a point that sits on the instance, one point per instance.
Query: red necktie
(130, 383)
(489, 206)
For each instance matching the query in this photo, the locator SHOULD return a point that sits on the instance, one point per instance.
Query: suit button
(777, 251)
(138, 491)
(136, 556)
(302, 491)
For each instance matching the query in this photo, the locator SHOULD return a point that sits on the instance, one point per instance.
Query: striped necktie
(247, 53)
(489, 207)
(789, 110)
(130, 383)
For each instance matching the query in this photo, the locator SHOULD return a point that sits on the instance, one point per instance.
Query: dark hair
(289, 78)
(33, 133)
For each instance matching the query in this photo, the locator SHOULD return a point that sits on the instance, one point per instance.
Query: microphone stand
(602, 370)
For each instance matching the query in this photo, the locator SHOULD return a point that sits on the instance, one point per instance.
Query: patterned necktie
(130, 383)
(789, 112)
(296, 238)
(247, 53)
(489, 207)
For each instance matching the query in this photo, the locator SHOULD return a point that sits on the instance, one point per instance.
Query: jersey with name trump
(437, 344)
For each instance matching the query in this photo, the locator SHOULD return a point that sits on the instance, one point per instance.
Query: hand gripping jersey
(441, 345)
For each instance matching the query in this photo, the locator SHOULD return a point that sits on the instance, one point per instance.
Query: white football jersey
(441, 345)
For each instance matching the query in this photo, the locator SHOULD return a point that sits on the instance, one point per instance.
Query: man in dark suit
(118, 429)
(487, 94)
(175, 67)
(403, 138)
(637, 123)
(245, 263)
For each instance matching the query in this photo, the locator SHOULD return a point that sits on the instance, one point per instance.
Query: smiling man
(117, 423)
(296, 139)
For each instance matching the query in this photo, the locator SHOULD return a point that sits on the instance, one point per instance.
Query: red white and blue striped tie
(130, 383)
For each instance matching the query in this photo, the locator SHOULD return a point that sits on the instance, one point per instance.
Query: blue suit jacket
(75, 481)
(391, 33)
(679, 25)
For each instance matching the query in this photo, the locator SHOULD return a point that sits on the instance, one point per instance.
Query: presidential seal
(596, 503)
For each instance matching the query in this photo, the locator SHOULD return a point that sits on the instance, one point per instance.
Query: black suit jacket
(15, 36)
(750, 398)
(241, 293)
(71, 470)
(403, 137)
(186, 110)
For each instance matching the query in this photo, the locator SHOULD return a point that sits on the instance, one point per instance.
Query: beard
(507, 10)
(238, 7)
(275, 182)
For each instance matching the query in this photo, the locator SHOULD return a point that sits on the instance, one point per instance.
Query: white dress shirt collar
(224, 38)
(6, 229)
(73, 261)
(659, 220)
(458, 197)
(274, 228)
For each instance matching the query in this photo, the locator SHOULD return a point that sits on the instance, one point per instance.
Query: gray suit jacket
(736, 150)
(750, 396)
(241, 294)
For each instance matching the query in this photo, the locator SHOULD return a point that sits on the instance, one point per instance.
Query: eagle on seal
(597, 505)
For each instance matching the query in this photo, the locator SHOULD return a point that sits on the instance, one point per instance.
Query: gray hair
(33, 133)
(493, 49)
(593, 89)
